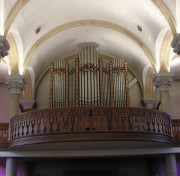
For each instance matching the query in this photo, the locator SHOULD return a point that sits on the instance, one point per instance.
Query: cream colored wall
(136, 95)
(42, 93)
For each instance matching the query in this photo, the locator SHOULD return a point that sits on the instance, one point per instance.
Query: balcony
(90, 124)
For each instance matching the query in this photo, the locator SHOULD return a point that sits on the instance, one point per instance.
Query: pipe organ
(89, 80)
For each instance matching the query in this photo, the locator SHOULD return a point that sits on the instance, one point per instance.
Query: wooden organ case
(89, 80)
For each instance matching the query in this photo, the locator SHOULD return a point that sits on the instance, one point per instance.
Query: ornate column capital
(163, 81)
(15, 84)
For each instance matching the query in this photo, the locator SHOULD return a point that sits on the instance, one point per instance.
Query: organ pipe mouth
(85, 44)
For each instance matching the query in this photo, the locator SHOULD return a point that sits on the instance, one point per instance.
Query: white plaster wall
(136, 95)
(4, 103)
(42, 93)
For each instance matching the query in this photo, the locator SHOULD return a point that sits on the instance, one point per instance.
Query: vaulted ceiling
(137, 31)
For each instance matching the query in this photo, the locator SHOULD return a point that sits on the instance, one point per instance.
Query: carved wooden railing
(90, 124)
(176, 131)
(4, 128)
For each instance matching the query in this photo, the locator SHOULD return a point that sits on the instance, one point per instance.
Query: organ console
(89, 80)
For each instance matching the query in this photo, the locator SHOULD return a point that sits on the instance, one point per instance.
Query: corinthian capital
(15, 84)
(163, 81)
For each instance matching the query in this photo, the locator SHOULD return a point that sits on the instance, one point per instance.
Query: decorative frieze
(15, 84)
(163, 81)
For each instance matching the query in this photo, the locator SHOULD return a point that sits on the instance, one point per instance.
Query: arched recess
(89, 22)
(148, 82)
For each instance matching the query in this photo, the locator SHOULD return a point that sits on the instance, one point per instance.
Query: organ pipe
(51, 86)
(88, 79)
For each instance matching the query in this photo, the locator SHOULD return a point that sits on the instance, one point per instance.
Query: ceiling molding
(164, 53)
(167, 13)
(88, 22)
(18, 6)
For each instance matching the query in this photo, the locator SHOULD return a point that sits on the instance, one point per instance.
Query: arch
(13, 54)
(167, 13)
(165, 51)
(148, 83)
(159, 41)
(18, 6)
(28, 92)
(89, 22)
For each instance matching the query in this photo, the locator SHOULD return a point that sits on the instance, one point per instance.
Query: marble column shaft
(11, 167)
(171, 169)
(16, 85)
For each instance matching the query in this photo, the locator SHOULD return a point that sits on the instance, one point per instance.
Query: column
(149, 102)
(162, 81)
(16, 85)
(171, 169)
(11, 167)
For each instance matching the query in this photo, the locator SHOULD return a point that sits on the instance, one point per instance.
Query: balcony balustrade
(74, 124)
(4, 127)
(176, 131)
